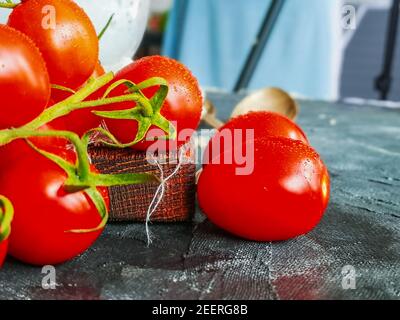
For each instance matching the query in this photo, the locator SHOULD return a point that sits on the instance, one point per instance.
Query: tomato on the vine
(45, 211)
(182, 106)
(64, 34)
(283, 195)
(24, 81)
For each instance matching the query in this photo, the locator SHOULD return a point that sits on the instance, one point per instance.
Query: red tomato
(267, 124)
(183, 104)
(24, 81)
(79, 121)
(3, 251)
(284, 196)
(263, 123)
(58, 95)
(65, 36)
(44, 212)
(15, 150)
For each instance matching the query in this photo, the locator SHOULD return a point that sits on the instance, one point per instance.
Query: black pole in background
(258, 47)
(384, 81)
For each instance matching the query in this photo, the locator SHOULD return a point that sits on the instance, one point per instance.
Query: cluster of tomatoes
(49, 67)
(43, 63)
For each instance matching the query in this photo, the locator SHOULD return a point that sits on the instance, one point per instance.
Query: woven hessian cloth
(130, 203)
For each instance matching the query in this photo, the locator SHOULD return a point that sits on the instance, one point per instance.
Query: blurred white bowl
(122, 39)
(4, 15)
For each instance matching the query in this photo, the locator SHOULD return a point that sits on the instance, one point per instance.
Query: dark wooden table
(361, 229)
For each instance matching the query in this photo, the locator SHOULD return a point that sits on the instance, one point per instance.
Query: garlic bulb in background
(122, 39)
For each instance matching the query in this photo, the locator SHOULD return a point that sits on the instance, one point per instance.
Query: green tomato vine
(79, 176)
(6, 216)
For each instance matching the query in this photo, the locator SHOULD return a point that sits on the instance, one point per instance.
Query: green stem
(136, 97)
(64, 109)
(8, 5)
(75, 102)
(62, 88)
(146, 110)
(103, 31)
(68, 105)
(80, 148)
(6, 216)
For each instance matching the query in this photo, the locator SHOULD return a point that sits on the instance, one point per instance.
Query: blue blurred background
(312, 51)
(301, 55)
(318, 48)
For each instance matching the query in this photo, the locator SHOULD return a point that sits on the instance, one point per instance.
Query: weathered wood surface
(361, 146)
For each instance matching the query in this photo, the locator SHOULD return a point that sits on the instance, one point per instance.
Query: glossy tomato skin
(183, 104)
(79, 121)
(285, 196)
(58, 95)
(262, 123)
(3, 251)
(14, 151)
(45, 212)
(70, 47)
(24, 81)
(267, 124)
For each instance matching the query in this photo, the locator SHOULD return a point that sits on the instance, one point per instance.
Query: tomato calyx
(6, 216)
(146, 114)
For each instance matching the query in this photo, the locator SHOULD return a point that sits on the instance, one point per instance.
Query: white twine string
(155, 202)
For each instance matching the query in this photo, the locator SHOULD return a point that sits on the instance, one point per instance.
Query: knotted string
(155, 202)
